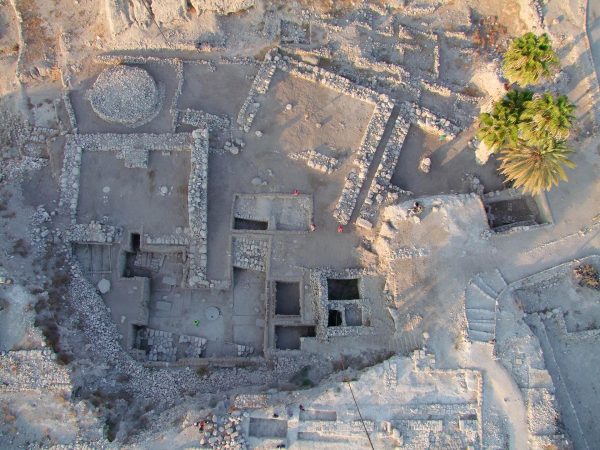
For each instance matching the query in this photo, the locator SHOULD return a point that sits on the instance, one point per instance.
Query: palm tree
(500, 128)
(529, 59)
(536, 168)
(545, 117)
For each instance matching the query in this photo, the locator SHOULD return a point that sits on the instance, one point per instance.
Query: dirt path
(592, 27)
(506, 393)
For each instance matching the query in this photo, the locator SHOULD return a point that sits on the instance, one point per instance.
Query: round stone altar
(212, 313)
(125, 94)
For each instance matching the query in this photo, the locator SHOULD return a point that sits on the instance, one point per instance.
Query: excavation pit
(287, 298)
(289, 337)
(248, 224)
(353, 315)
(334, 318)
(343, 289)
(504, 215)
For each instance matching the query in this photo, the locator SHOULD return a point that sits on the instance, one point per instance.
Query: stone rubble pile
(162, 345)
(250, 253)
(250, 401)
(134, 158)
(235, 146)
(40, 235)
(126, 95)
(168, 239)
(33, 370)
(432, 122)
(70, 112)
(244, 350)
(15, 169)
(316, 160)
(294, 33)
(409, 253)
(222, 432)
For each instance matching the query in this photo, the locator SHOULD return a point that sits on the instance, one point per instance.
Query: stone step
(480, 314)
(481, 336)
(475, 298)
(479, 281)
(489, 327)
(495, 281)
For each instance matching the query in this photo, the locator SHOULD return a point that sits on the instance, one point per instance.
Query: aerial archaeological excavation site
(305, 224)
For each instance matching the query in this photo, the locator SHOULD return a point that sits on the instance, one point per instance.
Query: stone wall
(260, 85)
(316, 160)
(363, 160)
(198, 118)
(380, 184)
(321, 304)
(93, 232)
(198, 209)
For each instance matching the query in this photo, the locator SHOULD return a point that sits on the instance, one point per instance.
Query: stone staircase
(480, 305)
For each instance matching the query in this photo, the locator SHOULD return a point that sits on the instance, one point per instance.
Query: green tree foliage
(529, 133)
(536, 168)
(529, 59)
(501, 127)
(545, 117)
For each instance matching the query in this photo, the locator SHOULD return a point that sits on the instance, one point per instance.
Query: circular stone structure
(125, 94)
(212, 313)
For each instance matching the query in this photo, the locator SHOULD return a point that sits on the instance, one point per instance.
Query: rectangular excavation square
(280, 212)
(288, 337)
(353, 314)
(320, 415)
(94, 258)
(448, 166)
(294, 33)
(216, 89)
(248, 224)
(268, 428)
(342, 289)
(319, 117)
(334, 318)
(287, 298)
(509, 213)
(154, 199)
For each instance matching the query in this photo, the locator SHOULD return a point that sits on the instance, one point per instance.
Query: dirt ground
(444, 56)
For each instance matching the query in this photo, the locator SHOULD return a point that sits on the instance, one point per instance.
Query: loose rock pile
(93, 232)
(222, 432)
(28, 370)
(197, 118)
(162, 345)
(125, 94)
(250, 253)
(316, 160)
